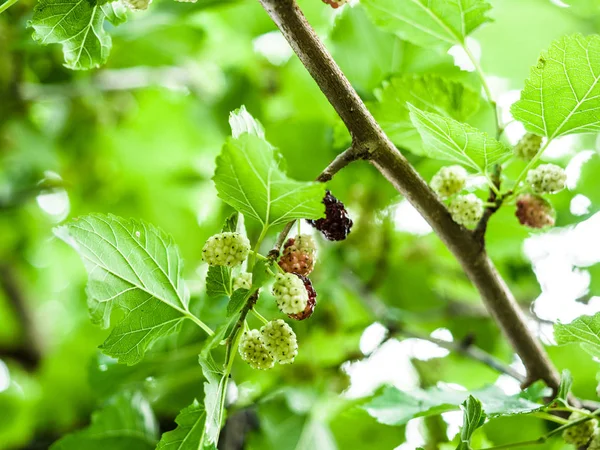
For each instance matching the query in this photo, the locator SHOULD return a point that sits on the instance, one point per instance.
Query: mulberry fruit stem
(252, 259)
(259, 316)
(201, 324)
(531, 163)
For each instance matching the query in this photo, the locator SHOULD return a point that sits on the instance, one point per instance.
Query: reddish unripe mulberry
(535, 212)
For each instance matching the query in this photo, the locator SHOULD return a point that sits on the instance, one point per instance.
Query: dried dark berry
(336, 224)
(310, 304)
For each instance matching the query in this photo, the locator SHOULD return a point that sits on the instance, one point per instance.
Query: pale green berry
(466, 210)
(580, 435)
(449, 180)
(547, 179)
(280, 340)
(226, 249)
(290, 293)
(242, 281)
(137, 5)
(253, 350)
(595, 442)
(528, 146)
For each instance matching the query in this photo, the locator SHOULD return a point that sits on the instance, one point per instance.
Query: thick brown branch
(368, 138)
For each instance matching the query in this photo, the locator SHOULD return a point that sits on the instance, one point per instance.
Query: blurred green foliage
(139, 137)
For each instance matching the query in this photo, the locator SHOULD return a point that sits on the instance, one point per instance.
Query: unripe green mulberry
(449, 181)
(528, 146)
(242, 281)
(466, 210)
(280, 340)
(137, 5)
(226, 249)
(580, 435)
(254, 351)
(290, 293)
(547, 179)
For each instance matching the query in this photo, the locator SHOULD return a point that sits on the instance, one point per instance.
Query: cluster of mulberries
(274, 342)
(226, 249)
(579, 435)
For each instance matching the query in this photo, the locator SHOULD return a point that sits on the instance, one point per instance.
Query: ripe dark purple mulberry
(336, 224)
(310, 304)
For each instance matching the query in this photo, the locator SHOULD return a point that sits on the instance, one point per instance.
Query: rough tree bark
(372, 144)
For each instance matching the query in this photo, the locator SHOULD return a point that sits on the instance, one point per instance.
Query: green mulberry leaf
(79, 26)
(438, 24)
(133, 266)
(562, 94)
(125, 423)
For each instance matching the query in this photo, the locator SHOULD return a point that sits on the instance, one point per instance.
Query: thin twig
(495, 200)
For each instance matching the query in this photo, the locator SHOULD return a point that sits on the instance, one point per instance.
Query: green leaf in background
(474, 417)
(438, 24)
(585, 330)
(241, 121)
(566, 382)
(125, 423)
(136, 267)
(396, 407)
(190, 431)
(249, 178)
(429, 93)
(446, 139)
(79, 26)
(562, 94)
(215, 389)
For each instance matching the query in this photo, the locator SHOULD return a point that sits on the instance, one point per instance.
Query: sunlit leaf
(447, 139)
(249, 178)
(135, 267)
(585, 330)
(79, 26)
(438, 24)
(429, 93)
(562, 94)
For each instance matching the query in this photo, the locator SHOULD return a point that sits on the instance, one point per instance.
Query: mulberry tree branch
(369, 139)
